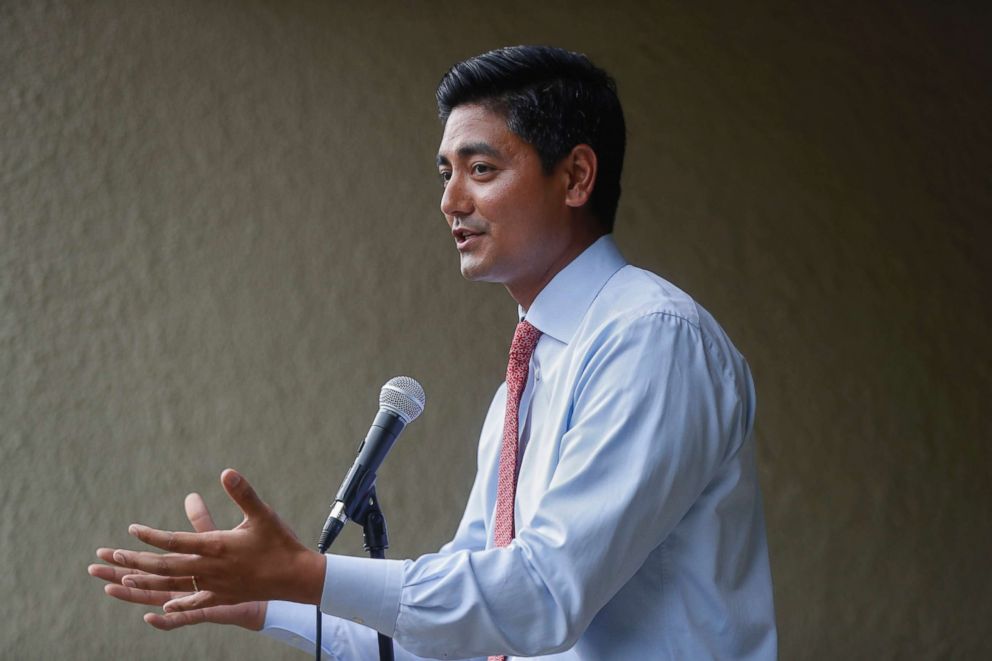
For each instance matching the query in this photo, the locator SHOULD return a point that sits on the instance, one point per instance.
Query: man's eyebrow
(472, 149)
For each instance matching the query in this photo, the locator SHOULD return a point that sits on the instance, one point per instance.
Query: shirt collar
(560, 306)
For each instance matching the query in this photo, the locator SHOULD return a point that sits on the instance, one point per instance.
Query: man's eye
(481, 168)
(445, 177)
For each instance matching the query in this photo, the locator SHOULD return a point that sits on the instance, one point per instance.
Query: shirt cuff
(291, 623)
(363, 590)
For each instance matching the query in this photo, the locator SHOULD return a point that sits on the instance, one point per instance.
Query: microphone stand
(376, 542)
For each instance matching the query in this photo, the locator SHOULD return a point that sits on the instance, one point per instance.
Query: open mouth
(465, 238)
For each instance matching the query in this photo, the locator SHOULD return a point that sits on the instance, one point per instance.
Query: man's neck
(525, 293)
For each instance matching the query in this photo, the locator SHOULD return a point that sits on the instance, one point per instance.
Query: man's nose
(456, 200)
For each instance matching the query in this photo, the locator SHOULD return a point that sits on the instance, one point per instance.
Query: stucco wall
(219, 235)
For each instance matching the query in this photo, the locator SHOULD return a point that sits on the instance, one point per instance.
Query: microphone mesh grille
(404, 397)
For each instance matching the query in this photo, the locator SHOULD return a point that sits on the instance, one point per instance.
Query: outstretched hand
(260, 559)
(250, 615)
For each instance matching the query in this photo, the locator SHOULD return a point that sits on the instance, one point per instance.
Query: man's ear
(580, 168)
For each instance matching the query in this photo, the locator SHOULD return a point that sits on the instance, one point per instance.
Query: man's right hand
(250, 615)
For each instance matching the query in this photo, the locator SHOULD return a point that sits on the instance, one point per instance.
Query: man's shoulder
(633, 293)
(637, 301)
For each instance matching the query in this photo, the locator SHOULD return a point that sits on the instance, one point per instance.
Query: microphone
(401, 401)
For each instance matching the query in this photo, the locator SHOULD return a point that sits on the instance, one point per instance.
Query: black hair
(553, 99)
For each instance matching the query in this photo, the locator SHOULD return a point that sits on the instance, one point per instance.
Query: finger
(107, 555)
(112, 574)
(170, 621)
(198, 514)
(162, 564)
(191, 602)
(176, 542)
(242, 494)
(182, 584)
(250, 615)
(136, 596)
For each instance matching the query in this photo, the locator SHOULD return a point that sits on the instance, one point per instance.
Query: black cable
(320, 622)
(321, 547)
(385, 648)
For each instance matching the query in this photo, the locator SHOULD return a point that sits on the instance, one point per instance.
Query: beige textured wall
(219, 235)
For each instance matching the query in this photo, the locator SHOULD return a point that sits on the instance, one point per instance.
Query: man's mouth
(465, 238)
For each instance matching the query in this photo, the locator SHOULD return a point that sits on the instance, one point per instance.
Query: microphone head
(404, 397)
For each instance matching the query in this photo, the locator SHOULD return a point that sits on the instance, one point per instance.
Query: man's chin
(473, 270)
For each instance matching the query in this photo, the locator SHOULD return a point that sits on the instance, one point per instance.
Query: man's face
(508, 218)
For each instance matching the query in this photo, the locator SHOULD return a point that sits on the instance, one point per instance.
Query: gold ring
(195, 588)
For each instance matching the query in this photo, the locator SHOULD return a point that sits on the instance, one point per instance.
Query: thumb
(243, 494)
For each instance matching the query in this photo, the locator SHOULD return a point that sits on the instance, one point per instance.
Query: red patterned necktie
(521, 349)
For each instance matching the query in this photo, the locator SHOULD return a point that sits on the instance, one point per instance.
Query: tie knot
(524, 340)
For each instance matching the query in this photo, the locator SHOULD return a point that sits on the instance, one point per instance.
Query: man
(615, 512)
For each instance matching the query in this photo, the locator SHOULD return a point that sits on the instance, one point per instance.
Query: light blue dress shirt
(640, 532)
